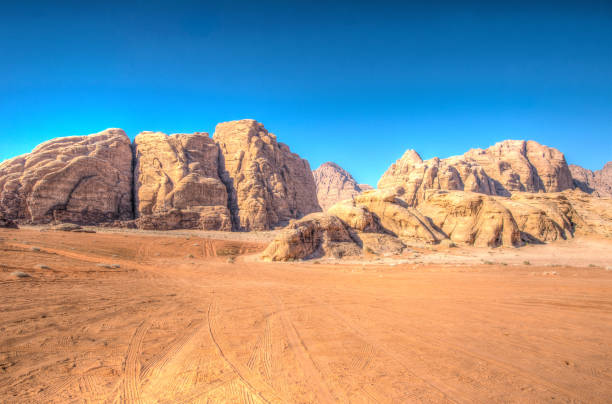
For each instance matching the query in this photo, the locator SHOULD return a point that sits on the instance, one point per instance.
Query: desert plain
(195, 317)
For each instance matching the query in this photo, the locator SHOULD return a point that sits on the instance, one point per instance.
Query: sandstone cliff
(268, 184)
(334, 184)
(81, 179)
(177, 183)
(507, 167)
(598, 183)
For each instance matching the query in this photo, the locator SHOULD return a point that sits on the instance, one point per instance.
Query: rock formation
(598, 183)
(334, 184)
(471, 218)
(177, 184)
(507, 167)
(267, 184)
(313, 236)
(80, 179)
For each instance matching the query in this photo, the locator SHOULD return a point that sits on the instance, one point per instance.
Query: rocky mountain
(268, 184)
(597, 182)
(81, 179)
(334, 184)
(241, 179)
(502, 169)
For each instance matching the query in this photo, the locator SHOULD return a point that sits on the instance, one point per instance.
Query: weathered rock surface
(598, 183)
(381, 244)
(80, 179)
(268, 184)
(396, 217)
(177, 183)
(502, 169)
(471, 218)
(314, 236)
(334, 184)
(6, 223)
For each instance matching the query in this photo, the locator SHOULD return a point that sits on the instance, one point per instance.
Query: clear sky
(353, 82)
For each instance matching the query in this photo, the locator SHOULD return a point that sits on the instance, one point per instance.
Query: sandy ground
(131, 317)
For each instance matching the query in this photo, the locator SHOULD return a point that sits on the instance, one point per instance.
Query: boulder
(79, 179)
(334, 184)
(177, 183)
(268, 184)
(314, 236)
(502, 169)
(381, 244)
(356, 216)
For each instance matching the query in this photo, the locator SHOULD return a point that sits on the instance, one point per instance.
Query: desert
(190, 316)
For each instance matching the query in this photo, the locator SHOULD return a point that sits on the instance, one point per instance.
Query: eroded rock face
(471, 218)
(598, 183)
(502, 169)
(79, 179)
(268, 185)
(396, 217)
(177, 183)
(334, 184)
(315, 235)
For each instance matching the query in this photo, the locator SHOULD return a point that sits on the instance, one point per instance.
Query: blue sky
(357, 83)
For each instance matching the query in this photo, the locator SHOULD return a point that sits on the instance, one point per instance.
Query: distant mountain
(335, 184)
(597, 182)
(506, 167)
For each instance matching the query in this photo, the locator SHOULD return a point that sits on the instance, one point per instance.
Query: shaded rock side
(6, 223)
(315, 235)
(334, 184)
(79, 179)
(177, 183)
(502, 169)
(267, 184)
(598, 183)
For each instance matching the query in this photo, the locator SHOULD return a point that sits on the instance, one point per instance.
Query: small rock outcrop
(314, 236)
(79, 179)
(397, 218)
(507, 167)
(598, 183)
(267, 184)
(177, 183)
(6, 223)
(471, 218)
(334, 184)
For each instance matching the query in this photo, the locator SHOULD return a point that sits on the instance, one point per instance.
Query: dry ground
(176, 322)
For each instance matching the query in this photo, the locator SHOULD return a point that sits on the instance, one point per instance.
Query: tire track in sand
(241, 371)
(131, 366)
(307, 364)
